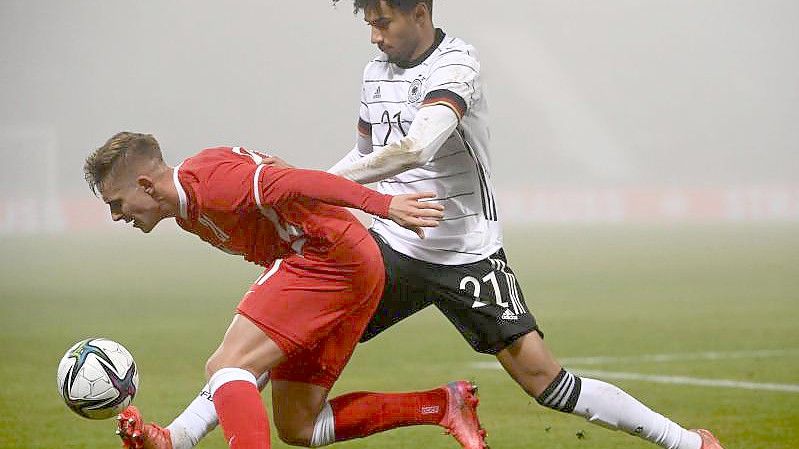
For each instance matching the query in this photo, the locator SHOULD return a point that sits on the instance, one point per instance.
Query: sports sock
(607, 405)
(324, 431)
(562, 393)
(240, 410)
(359, 414)
(195, 422)
(199, 418)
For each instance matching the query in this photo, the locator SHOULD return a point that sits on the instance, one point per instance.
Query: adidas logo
(377, 94)
(508, 315)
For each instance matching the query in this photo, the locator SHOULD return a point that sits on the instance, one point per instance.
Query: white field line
(684, 380)
(679, 357)
(679, 380)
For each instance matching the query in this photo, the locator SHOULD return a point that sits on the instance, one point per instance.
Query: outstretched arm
(363, 147)
(430, 129)
(276, 185)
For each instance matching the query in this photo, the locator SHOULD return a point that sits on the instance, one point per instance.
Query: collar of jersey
(183, 208)
(411, 64)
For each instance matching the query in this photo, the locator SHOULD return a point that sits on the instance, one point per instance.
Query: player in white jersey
(455, 165)
(423, 127)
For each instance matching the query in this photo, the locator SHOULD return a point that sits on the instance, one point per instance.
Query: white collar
(184, 206)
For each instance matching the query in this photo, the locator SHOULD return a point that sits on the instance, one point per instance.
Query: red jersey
(232, 201)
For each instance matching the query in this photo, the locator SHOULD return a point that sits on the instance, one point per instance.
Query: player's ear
(146, 183)
(419, 11)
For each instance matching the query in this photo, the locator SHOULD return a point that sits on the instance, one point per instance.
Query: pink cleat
(461, 419)
(709, 441)
(137, 435)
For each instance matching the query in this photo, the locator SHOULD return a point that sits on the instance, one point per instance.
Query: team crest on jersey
(415, 91)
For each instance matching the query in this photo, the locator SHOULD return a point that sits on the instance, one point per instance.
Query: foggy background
(585, 95)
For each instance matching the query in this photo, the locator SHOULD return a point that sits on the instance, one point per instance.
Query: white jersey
(459, 172)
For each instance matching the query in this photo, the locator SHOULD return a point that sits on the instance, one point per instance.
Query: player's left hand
(410, 212)
(275, 161)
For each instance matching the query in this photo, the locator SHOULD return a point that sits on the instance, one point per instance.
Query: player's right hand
(410, 212)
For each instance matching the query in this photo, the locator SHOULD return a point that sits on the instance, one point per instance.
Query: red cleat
(709, 441)
(461, 419)
(137, 435)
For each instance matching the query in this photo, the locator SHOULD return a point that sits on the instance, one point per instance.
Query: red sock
(242, 415)
(360, 414)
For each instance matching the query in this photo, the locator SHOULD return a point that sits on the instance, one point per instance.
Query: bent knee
(212, 365)
(294, 429)
(225, 359)
(293, 435)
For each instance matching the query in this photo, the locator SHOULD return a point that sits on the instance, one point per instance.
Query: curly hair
(403, 5)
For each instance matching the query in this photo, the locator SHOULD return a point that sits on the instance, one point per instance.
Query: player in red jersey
(302, 318)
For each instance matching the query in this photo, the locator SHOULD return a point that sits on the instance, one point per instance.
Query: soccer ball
(97, 378)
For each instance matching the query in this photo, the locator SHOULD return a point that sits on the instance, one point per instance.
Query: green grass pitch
(622, 292)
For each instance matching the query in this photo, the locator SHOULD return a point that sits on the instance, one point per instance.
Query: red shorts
(316, 311)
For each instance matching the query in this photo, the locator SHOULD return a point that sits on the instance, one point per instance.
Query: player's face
(130, 202)
(395, 33)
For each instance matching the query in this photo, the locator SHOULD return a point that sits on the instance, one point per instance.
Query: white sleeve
(363, 140)
(431, 127)
(454, 81)
(363, 146)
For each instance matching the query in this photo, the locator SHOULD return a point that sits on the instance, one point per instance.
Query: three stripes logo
(516, 308)
(377, 94)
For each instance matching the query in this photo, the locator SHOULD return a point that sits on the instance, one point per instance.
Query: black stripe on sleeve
(447, 98)
(364, 127)
(456, 50)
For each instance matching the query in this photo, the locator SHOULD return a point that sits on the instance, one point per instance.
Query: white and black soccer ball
(97, 378)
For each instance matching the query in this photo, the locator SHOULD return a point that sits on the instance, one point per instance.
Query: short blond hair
(119, 150)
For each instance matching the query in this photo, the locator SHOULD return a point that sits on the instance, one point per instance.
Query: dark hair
(402, 5)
